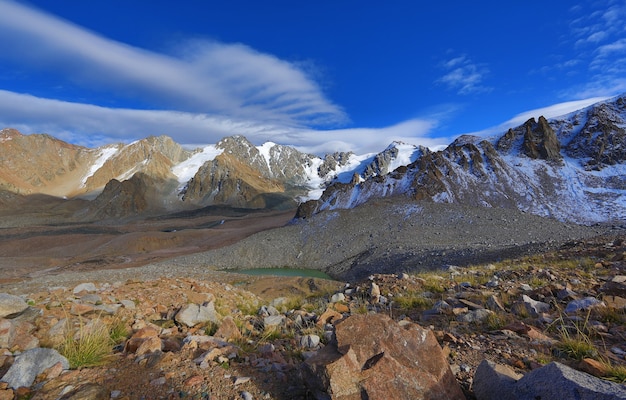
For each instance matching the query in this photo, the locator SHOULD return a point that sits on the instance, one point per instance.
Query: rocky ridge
(184, 337)
(569, 168)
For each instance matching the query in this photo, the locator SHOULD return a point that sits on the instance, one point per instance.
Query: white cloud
(92, 126)
(464, 76)
(205, 77)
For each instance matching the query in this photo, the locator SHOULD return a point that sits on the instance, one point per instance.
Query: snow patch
(265, 149)
(188, 168)
(105, 154)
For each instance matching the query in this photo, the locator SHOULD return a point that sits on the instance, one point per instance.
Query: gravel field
(386, 236)
(391, 235)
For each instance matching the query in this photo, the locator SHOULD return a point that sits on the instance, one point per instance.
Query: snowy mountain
(572, 168)
(156, 174)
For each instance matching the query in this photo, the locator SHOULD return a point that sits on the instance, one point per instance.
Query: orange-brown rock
(377, 358)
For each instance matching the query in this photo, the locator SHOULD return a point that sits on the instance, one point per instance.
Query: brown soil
(40, 249)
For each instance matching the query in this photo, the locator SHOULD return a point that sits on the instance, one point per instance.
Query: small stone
(566, 294)
(535, 307)
(615, 302)
(475, 315)
(494, 303)
(158, 381)
(593, 367)
(246, 396)
(341, 308)
(337, 297)
(90, 391)
(309, 341)
(128, 304)
(329, 316)
(619, 279)
(273, 321)
(374, 290)
(81, 309)
(471, 305)
(228, 330)
(582, 304)
(239, 380)
(115, 394)
(194, 381)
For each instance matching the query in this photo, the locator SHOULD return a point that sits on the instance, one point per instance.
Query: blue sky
(323, 76)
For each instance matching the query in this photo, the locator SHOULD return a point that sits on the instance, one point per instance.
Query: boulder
(11, 305)
(31, 363)
(375, 357)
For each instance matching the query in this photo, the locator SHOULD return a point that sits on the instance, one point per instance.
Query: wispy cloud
(599, 40)
(464, 76)
(204, 76)
(552, 111)
(371, 140)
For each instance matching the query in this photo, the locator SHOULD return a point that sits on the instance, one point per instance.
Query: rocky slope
(569, 168)
(492, 331)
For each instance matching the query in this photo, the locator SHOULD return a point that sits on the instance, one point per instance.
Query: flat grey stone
(273, 320)
(31, 363)
(85, 287)
(11, 305)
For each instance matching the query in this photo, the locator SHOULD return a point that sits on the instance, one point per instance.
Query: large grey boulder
(31, 363)
(553, 381)
(558, 381)
(11, 305)
(194, 314)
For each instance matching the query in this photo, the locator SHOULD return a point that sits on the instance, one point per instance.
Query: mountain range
(571, 168)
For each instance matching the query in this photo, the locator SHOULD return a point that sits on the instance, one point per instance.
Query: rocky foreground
(546, 325)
